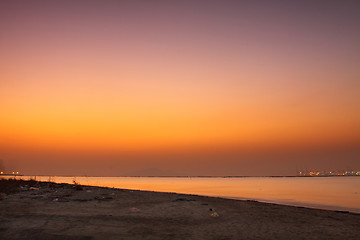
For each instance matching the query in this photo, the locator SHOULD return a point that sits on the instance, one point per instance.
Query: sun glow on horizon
(177, 77)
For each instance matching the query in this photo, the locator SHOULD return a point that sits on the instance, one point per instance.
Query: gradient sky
(186, 87)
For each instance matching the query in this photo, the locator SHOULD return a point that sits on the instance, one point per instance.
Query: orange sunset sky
(179, 87)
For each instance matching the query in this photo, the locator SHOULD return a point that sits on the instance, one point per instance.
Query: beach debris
(214, 214)
(56, 200)
(82, 199)
(99, 198)
(2, 196)
(88, 191)
(34, 188)
(341, 211)
(37, 196)
(134, 210)
(184, 200)
(103, 198)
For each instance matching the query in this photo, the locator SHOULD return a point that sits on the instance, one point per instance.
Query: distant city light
(310, 173)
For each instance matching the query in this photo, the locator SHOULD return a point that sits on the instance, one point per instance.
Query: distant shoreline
(290, 176)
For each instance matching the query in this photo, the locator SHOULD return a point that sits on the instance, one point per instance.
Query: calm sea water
(334, 193)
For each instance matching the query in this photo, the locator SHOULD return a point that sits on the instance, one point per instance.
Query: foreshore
(45, 210)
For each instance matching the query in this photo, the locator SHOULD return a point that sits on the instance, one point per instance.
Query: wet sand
(63, 211)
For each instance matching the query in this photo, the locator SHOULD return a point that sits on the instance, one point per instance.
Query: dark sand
(61, 211)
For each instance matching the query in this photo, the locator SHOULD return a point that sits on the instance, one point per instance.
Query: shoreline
(194, 186)
(45, 210)
(301, 205)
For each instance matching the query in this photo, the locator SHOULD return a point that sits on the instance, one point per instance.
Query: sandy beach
(33, 210)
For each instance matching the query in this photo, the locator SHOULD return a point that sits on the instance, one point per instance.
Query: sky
(111, 88)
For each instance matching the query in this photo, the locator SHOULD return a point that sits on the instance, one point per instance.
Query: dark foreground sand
(61, 211)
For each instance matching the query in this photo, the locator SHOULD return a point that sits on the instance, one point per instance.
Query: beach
(41, 210)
